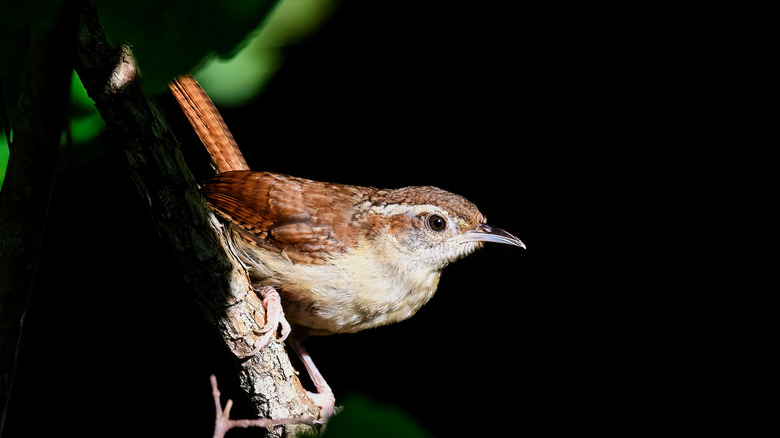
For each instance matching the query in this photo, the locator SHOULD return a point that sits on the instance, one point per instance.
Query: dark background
(520, 109)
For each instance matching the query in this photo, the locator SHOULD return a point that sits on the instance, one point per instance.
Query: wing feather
(308, 221)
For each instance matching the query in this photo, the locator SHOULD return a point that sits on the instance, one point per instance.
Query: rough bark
(182, 217)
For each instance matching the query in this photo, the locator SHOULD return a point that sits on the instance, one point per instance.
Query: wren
(332, 258)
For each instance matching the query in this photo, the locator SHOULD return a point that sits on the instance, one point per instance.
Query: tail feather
(208, 124)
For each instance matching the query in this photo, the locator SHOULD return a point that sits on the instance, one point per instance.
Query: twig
(223, 423)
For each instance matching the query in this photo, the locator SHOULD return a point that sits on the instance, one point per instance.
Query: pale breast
(350, 293)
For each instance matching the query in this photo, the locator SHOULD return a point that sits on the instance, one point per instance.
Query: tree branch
(221, 285)
(26, 192)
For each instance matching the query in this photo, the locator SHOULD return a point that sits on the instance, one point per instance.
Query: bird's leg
(274, 317)
(324, 397)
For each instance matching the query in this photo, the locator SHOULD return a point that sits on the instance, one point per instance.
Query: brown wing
(309, 221)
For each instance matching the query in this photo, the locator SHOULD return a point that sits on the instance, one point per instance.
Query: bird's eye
(437, 223)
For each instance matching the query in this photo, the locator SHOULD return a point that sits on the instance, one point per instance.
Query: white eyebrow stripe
(411, 210)
(415, 210)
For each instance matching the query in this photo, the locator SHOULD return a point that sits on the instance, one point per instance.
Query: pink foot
(274, 317)
(324, 397)
(327, 403)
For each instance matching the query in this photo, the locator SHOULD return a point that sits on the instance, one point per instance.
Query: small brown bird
(332, 258)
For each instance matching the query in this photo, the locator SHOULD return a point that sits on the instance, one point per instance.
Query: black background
(519, 109)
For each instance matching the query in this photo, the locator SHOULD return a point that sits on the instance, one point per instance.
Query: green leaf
(85, 120)
(171, 37)
(4, 154)
(236, 81)
(364, 417)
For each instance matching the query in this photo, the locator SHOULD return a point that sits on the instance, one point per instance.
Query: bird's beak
(487, 233)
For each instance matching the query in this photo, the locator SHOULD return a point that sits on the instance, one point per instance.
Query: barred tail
(208, 124)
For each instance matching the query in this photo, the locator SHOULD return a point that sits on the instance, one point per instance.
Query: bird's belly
(349, 293)
(325, 311)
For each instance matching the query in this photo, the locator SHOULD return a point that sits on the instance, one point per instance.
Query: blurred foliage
(238, 43)
(3, 158)
(85, 121)
(237, 80)
(364, 417)
(170, 37)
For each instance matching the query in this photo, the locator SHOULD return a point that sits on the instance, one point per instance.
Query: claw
(274, 316)
(327, 404)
